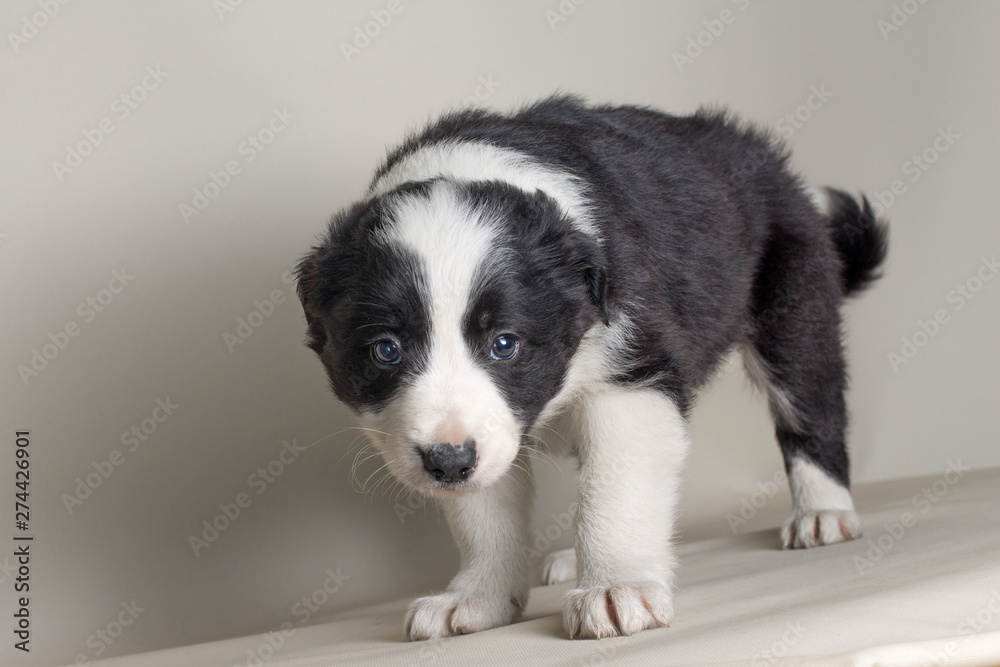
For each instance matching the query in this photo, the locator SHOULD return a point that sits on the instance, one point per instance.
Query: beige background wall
(883, 98)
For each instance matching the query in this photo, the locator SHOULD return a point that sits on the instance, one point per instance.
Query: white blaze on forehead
(453, 397)
(452, 241)
(473, 161)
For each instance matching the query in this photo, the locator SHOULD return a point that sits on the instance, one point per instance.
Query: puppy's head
(446, 315)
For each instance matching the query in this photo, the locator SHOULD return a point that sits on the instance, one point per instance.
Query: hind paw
(815, 528)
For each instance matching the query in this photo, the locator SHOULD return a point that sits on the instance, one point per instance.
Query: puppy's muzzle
(449, 464)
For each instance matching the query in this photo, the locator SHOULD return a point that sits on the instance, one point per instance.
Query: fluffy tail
(862, 239)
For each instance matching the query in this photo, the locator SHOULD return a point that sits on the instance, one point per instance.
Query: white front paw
(559, 566)
(622, 609)
(814, 528)
(456, 613)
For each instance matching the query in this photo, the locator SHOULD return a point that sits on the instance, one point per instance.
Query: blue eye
(504, 348)
(386, 352)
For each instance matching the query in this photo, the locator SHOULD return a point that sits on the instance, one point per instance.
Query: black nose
(447, 463)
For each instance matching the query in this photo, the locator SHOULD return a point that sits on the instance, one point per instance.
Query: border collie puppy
(585, 269)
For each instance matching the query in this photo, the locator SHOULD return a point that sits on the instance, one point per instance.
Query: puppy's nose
(447, 463)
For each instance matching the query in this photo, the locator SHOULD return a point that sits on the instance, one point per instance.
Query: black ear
(310, 279)
(588, 259)
(581, 251)
(323, 274)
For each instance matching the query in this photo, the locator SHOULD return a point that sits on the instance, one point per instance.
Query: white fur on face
(599, 353)
(472, 161)
(453, 399)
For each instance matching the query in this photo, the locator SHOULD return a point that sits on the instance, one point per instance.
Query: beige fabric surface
(922, 587)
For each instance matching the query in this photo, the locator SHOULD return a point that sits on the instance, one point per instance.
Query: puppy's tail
(862, 239)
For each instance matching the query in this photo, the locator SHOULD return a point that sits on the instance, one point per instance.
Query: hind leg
(795, 356)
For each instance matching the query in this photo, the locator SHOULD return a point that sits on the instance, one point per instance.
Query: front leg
(632, 446)
(491, 588)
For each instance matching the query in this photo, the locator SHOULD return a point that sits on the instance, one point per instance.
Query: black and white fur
(627, 251)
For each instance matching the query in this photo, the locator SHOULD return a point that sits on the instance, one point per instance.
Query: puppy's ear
(322, 274)
(310, 279)
(579, 251)
(587, 258)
